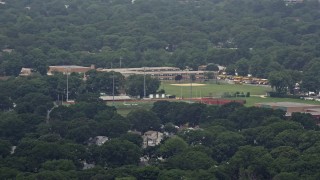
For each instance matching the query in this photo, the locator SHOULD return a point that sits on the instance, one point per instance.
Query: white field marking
(188, 84)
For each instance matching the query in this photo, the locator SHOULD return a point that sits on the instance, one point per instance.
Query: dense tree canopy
(142, 86)
(42, 138)
(250, 34)
(280, 81)
(143, 120)
(241, 142)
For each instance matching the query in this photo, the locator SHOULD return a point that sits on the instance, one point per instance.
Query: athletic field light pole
(191, 89)
(67, 84)
(190, 85)
(112, 88)
(144, 82)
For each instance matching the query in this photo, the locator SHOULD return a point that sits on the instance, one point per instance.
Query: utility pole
(67, 84)
(191, 89)
(120, 61)
(112, 88)
(144, 82)
(190, 76)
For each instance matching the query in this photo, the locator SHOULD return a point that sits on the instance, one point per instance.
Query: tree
(11, 126)
(161, 108)
(115, 127)
(226, 145)
(280, 80)
(256, 37)
(8, 173)
(209, 75)
(230, 70)
(172, 174)
(134, 138)
(251, 117)
(225, 110)
(172, 146)
(285, 158)
(57, 85)
(148, 172)
(212, 67)
(118, 153)
(171, 112)
(89, 109)
(107, 114)
(310, 78)
(191, 114)
(31, 121)
(143, 120)
(198, 137)
(61, 164)
(170, 128)
(62, 113)
(296, 78)
(49, 175)
(287, 137)
(32, 101)
(80, 134)
(286, 175)
(251, 162)
(309, 139)
(5, 103)
(190, 160)
(11, 64)
(37, 152)
(89, 97)
(103, 82)
(242, 67)
(307, 120)
(5, 148)
(135, 85)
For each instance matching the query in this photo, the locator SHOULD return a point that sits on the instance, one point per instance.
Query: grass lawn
(124, 108)
(212, 89)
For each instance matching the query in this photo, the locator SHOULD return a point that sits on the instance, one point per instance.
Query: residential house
(26, 72)
(98, 140)
(152, 138)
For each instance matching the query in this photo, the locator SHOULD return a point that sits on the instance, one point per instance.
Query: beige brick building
(69, 69)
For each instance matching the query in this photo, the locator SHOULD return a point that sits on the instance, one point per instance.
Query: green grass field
(212, 90)
(209, 90)
(124, 108)
(217, 90)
